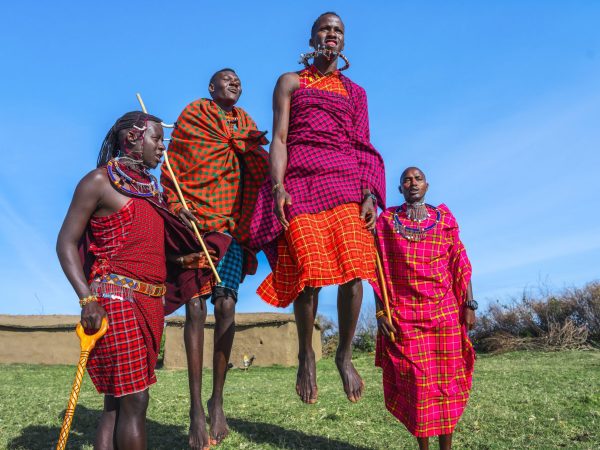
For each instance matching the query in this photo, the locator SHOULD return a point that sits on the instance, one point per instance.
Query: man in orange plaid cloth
(217, 158)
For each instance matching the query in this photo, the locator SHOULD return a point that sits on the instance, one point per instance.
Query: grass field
(519, 401)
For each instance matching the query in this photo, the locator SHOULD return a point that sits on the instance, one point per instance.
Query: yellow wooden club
(87, 343)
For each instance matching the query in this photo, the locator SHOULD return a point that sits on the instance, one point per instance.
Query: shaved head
(409, 169)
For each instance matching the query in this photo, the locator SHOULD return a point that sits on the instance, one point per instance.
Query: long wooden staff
(183, 202)
(87, 343)
(384, 292)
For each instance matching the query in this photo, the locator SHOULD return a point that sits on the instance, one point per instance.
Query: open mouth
(233, 90)
(330, 43)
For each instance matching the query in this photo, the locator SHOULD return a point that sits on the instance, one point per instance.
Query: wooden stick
(384, 292)
(183, 202)
(87, 343)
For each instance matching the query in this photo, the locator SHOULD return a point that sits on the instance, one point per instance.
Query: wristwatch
(472, 304)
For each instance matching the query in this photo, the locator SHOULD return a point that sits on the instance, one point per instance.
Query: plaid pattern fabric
(427, 373)
(130, 242)
(230, 267)
(311, 78)
(123, 361)
(330, 159)
(219, 167)
(328, 248)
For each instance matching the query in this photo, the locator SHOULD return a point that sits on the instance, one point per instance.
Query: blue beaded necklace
(136, 188)
(414, 234)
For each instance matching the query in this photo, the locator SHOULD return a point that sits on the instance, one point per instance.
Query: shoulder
(196, 105)
(96, 177)
(356, 88)
(94, 182)
(446, 216)
(287, 82)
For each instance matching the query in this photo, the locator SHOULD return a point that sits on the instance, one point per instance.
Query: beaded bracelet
(89, 299)
(379, 314)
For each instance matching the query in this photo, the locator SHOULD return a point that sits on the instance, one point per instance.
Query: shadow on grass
(83, 430)
(266, 433)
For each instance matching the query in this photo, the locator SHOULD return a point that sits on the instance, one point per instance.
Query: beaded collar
(414, 234)
(126, 183)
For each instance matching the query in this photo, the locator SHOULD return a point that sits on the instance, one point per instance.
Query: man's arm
(470, 318)
(87, 198)
(278, 156)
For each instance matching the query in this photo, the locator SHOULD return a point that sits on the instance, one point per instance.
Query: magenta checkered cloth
(427, 372)
(330, 159)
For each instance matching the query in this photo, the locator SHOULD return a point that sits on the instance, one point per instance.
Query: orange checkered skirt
(328, 248)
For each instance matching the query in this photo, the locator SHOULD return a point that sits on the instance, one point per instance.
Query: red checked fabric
(131, 243)
(427, 372)
(332, 247)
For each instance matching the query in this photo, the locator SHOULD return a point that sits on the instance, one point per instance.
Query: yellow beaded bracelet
(379, 314)
(85, 300)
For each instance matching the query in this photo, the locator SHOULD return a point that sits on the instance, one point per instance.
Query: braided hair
(114, 143)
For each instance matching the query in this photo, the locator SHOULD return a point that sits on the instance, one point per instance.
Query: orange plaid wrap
(219, 167)
(328, 248)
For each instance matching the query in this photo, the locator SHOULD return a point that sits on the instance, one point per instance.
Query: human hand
(187, 217)
(91, 316)
(368, 213)
(470, 318)
(196, 260)
(281, 198)
(385, 327)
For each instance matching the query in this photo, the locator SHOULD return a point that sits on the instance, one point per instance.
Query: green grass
(520, 400)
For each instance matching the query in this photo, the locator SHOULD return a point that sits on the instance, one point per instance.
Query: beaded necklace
(414, 234)
(134, 187)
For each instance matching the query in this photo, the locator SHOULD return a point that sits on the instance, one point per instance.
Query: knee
(224, 307)
(196, 310)
(308, 293)
(135, 404)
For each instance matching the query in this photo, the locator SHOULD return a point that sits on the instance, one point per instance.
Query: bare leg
(348, 306)
(305, 308)
(423, 443)
(105, 434)
(131, 424)
(193, 334)
(224, 334)
(445, 441)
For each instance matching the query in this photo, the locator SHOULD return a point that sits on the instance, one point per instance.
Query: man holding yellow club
(113, 247)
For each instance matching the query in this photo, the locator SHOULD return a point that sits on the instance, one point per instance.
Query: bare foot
(353, 383)
(198, 435)
(218, 423)
(306, 380)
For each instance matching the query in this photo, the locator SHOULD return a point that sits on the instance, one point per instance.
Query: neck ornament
(127, 183)
(416, 213)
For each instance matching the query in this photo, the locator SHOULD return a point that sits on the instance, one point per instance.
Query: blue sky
(498, 102)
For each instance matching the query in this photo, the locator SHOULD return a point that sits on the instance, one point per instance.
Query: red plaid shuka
(427, 373)
(330, 160)
(129, 242)
(328, 248)
(219, 164)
